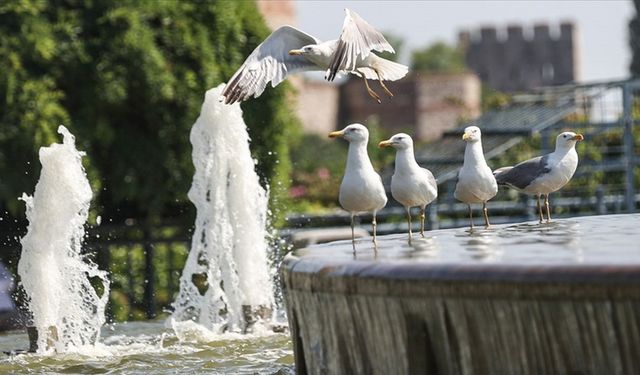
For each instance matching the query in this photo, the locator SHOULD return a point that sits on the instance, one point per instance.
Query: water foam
(229, 248)
(54, 273)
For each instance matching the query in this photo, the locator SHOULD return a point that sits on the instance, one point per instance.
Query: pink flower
(323, 173)
(297, 191)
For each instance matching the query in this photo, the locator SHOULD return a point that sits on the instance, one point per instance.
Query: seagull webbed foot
(373, 94)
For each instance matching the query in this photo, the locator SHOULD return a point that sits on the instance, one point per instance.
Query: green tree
(128, 78)
(438, 58)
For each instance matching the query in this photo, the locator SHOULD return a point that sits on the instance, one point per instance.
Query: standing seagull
(411, 185)
(361, 189)
(289, 50)
(544, 174)
(476, 183)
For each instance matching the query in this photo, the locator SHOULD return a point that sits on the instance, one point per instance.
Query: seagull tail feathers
(389, 70)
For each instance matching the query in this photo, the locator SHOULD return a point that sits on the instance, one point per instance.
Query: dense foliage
(128, 79)
(438, 57)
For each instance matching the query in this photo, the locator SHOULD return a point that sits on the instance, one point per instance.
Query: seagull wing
(430, 179)
(430, 188)
(521, 175)
(269, 62)
(358, 38)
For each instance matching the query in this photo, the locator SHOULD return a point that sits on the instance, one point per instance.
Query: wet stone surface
(611, 239)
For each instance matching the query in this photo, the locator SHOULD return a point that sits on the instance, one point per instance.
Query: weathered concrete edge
(325, 275)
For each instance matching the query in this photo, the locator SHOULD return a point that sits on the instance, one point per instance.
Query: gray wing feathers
(521, 175)
(357, 39)
(269, 62)
(430, 179)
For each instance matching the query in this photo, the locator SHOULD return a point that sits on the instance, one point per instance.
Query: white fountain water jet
(229, 248)
(67, 311)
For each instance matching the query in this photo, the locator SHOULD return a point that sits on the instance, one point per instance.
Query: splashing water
(226, 282)
(66, 309)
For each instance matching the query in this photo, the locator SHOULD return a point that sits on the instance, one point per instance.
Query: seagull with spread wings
(289, 50)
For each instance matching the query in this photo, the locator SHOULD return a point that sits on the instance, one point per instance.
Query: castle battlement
(517, 58)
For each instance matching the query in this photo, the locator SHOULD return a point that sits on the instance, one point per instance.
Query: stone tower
(521, 59)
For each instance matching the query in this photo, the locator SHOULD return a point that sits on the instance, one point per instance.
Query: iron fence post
(629, 154)
(149, 276)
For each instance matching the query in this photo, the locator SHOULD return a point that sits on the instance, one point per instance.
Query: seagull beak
(295, 52)
(336, 134)
(384, 144)
(578, 137)
(466, 136)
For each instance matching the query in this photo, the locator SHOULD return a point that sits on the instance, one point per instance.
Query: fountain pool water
(150, 348)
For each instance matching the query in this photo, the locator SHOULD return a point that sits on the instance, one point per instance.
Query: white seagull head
(308, 50)
(354, 133)
(472, 134)
(400, 141)
(567, 140)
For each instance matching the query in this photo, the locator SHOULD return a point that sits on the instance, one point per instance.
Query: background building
(519, 59)
(424, 105)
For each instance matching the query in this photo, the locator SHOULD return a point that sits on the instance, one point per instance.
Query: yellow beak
(384, 144)
(465, 136)
(336, 134)
(295, 52)
(578, 137)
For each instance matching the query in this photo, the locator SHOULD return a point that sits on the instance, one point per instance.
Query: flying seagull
(361, 189)
(476, 183)
(411, 185)
(544, 174)
(289, 50)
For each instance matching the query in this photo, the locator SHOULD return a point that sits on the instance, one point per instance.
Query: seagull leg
(422, 222)
(353, 236)
(540, 209)
(486, 214)
(384, 87)
(470, 217)
(370, 91)
(409, 223)
(374, 223)
(546, 203)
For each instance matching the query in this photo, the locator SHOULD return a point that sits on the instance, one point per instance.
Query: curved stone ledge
(512, 299)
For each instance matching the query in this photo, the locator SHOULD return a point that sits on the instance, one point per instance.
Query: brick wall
(424, 105)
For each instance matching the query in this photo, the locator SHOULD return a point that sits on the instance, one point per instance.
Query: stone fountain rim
(506, 272)
(318, 275)
(312, 269)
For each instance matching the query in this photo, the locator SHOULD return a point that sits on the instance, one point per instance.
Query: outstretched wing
(269, 62)
(358, 38)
